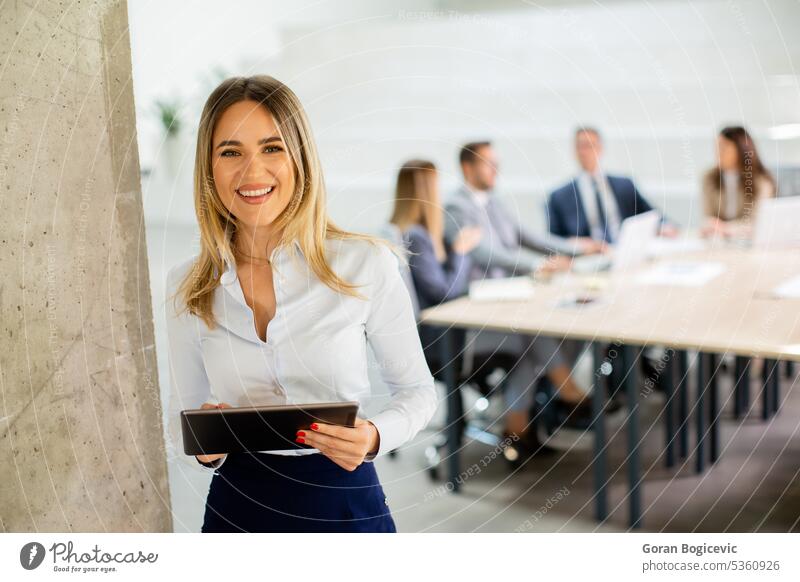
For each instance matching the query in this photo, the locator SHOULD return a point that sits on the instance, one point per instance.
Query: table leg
(776, 387)
(598, 420)
(699, 413)
(669, 422)
(789, 369)
(634, 471)
(741, 378)
(450, 375)
(683, 403)
(713, 407)
(768, 373)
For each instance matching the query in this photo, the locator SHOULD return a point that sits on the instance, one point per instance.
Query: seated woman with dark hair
(733, 189)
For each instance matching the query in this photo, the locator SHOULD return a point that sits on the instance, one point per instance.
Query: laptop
(635, 236)
(776, 223)
(631, 249)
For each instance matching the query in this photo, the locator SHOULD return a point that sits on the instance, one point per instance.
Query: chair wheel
(512, 456)
(433, 459)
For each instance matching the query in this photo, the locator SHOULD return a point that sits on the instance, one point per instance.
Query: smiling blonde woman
(279, 307)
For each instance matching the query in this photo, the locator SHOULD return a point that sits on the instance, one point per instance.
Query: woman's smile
(255, 193)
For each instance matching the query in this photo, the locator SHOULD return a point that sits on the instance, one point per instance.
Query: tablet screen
(257, 428)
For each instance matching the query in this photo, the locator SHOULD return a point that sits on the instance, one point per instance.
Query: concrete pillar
(81, 440)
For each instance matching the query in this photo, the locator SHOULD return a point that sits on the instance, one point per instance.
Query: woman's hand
(212, 458)
(467, 239)
(714, 227)
(343, 445)
(668, 231)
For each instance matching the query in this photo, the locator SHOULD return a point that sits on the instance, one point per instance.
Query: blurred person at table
(734, 188)
(507, 248)
(594, 204)
(441, 272)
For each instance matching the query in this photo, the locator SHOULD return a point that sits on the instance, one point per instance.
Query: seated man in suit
(507, 247)
(594, 204)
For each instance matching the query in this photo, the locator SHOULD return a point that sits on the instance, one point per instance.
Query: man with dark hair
(469, 151)
(594, 204)
(507, 248)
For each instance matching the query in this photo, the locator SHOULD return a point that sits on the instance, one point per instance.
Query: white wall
(383, 84)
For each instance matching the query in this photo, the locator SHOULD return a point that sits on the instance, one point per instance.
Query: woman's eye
(267, 150)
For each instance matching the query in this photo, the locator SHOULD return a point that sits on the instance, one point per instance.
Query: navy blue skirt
(260, 492)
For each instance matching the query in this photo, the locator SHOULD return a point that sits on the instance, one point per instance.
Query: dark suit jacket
(566, 216)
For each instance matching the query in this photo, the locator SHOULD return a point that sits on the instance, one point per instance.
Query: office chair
(485, 373)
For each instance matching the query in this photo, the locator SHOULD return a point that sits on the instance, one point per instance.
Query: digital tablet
(257, 428)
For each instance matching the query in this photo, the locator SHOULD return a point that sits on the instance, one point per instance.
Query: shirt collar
(480, 196)
(596, 175)
(229, 276)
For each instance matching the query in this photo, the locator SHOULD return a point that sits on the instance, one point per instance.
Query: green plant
(169, 114)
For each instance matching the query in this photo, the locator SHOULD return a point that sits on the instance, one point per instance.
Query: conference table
(711, 301)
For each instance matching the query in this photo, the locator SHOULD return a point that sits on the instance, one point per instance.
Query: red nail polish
(314, 426)
(300, 440)
(300, 433)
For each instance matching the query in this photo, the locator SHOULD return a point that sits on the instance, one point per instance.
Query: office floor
(754, 486)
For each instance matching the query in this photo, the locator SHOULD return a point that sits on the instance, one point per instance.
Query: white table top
(735, 312)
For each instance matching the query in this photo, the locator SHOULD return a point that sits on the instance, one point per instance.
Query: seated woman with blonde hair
(441, 274)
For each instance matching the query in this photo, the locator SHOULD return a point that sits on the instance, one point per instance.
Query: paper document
(506, 289)
(661, 247)
(788, 289)
(681, 273)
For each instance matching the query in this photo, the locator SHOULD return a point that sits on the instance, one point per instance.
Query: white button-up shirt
(481, 197)
(316, 346)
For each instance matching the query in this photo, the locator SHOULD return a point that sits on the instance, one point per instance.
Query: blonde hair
(305, 217)
(417, 202)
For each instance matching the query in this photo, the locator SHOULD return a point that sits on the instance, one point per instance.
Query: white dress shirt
(589, 201)
(481, 197)
(316, 346)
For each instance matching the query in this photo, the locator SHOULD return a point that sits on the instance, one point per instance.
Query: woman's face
(252, 170)
(728, 156)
